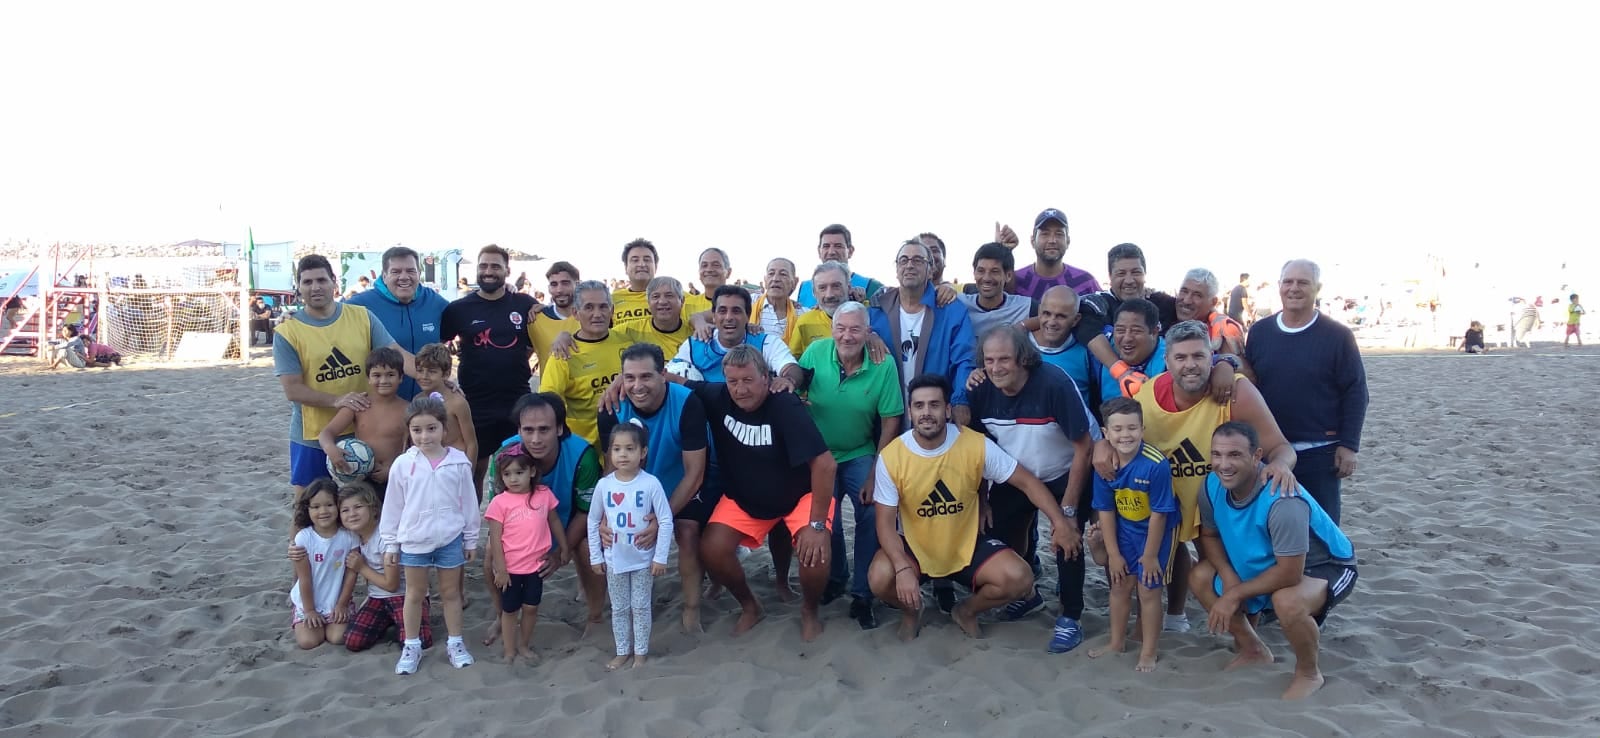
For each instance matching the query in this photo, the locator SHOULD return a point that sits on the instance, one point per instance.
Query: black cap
(1049, 215)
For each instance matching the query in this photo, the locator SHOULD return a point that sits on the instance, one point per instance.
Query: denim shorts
(452, 555)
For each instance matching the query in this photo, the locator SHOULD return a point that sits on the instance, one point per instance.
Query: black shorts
(985, 549)
(1341, 579)
(700, 506)
(491, 432)
(525, 590)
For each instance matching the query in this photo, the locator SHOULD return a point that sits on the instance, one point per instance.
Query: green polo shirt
(846, 408)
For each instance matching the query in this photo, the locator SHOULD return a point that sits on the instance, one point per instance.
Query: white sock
(414, 642)
(452, 641)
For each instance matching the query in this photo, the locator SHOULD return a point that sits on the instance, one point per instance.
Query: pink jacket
(426, 507)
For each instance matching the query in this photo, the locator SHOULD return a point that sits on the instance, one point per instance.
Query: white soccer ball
(358, 455)
(684, 369)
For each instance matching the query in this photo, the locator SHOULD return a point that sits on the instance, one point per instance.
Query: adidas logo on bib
(337, 366)
(939, 502)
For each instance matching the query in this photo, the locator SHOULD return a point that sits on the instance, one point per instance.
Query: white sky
(1232, 137)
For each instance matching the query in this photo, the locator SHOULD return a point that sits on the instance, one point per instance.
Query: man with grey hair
(848, 394)
(666, 326)
(1034, 412)
(929, 337)
(583, 376)
(714, 270)
(1197, 300)
(830, 285)
(776, 471)
(1310, 372)
(775, 310)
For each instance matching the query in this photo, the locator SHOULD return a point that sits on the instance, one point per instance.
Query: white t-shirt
(998, 466)
(624, 505)
(774, 324)
(910, 332)
(372, 551)
(326, 556)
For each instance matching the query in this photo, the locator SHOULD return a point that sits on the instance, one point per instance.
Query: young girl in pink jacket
(430, 521)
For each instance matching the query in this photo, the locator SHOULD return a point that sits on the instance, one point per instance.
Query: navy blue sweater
(1313, 380)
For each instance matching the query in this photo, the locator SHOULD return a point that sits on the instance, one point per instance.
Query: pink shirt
(524, 527)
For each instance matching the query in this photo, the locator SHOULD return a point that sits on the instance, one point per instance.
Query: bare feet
(1302, 686)
(713, 591)
(966, 618)
(527, 655)
(1115, 645)
(1097, 545)
(691, 620)
(1147, 661)
(910, 624)
(785, 592)
(810, 625)
(617, 663)
(589, 627)
(1250, 656)
(638, 661)
(509, 654)
(752, 614)
(493, 633)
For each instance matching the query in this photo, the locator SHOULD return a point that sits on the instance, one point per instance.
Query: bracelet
(907, 567)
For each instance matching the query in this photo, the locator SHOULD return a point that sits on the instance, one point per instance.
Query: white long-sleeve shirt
(624, 505)
(427, 506)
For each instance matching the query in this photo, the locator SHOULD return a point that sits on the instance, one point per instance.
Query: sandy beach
(146, 594)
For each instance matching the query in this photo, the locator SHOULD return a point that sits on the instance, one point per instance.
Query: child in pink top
(525, 545)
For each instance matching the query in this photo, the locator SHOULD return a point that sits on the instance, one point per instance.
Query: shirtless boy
(382, 425)
(433, 374)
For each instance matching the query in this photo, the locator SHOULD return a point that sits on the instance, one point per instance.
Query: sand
(146, 595)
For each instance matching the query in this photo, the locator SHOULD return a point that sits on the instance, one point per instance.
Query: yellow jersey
(581, 378)
(543, 331)
(1185, 437)
(331, 359)
(939, 500)
(812, 326)
(644, 331)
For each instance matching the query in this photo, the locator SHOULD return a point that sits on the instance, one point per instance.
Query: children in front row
(624, 497)
(1138, 525)
(526, 543)
(430, 521)
(320, 599)
(382, 425)
(385, 603)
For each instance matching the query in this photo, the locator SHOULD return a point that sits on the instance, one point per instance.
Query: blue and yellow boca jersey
(1142, 487)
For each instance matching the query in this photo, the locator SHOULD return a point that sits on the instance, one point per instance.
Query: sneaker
(861, 612)
(946, 597)
(1175, 623)
(459, 657)
(1067, 636)
(410, 657)
(1022, 608)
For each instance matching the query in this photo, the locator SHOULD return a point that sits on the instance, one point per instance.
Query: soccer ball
(358, 455)
(685, 369)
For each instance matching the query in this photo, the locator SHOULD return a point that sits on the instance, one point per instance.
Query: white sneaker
(410, 657)
(459, 657)
(1175, 623)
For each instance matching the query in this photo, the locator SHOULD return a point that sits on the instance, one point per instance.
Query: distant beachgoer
(1527, 323)
(1239, 299)
(1574, 315)
(1472, 343)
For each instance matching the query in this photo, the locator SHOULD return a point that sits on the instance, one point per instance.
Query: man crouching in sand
(1267, 552)
(928, 510)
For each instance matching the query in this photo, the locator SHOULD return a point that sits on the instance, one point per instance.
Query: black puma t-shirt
(763, 457)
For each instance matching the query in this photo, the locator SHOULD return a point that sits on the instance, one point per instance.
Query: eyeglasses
(915, 260)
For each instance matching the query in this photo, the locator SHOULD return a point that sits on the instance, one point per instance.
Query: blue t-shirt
(1156, 364)
(1142, 487)
(286, 360)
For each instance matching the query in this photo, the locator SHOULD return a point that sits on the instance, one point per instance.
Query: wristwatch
(1070, 512)
(819, 526)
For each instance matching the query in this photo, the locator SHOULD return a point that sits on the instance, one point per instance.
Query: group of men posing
(948, 420)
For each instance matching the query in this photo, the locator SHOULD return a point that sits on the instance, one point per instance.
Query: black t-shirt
(1095, 320)
(763, 456)
(494, 349)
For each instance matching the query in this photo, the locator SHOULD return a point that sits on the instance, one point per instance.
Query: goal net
(155, 324)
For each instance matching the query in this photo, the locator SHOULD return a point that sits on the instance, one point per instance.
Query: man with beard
(777, 471)
(492, 325)
(927, 489)
(1180, 414)
(410, 311)
(714, 271)
(928, 337)
(561, 316)
(848, 395)
(675, 426)
(1197, 300)
(833, 245)
(317, 355)
(1035, 414)
(774, 311)
(584, 375)
(830, 288)
(1050, 242)
(989, 305)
